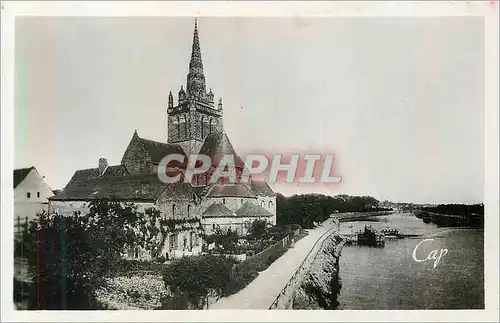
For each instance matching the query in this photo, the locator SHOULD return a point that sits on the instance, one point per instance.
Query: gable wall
(24, 207)
(136, 159)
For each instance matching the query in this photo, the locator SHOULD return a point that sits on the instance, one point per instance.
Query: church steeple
(196, 88)
(196, 115)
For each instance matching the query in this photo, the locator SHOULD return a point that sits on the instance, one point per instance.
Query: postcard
(250, 161)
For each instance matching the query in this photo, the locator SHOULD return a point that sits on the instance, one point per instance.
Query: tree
(309, 208)
(70, 256)
(258, 229)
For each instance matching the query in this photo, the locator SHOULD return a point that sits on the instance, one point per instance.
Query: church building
(194, 126)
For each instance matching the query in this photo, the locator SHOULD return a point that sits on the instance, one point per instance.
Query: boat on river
(390, 233)
(370, 237)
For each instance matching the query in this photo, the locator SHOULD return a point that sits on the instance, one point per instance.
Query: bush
(225, 242)
(240, 278)
(258, 229)
(83, 249)
(193, 279)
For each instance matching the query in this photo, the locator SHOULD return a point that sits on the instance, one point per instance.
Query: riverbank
(390, 279)
(451, 220)
(320, 286)
(361, 216)
(261, 293)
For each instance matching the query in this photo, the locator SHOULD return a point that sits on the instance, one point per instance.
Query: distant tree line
(457, 209)
(309, 208)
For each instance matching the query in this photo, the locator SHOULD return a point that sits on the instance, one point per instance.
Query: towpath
(262, 291)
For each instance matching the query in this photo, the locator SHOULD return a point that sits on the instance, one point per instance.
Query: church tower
(195, 116)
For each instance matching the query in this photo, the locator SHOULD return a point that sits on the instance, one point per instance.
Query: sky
(400, 101)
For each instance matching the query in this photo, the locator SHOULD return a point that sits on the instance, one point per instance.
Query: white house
(31, 193)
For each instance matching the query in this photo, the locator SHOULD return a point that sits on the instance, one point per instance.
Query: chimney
(103, 164)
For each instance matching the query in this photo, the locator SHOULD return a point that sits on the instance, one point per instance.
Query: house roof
(230, 190)
(158, 150)
(116, 170)
(87, 185)
(249, 209)
(262, 188)
(20, 174)
(217, 145)
(217, 210)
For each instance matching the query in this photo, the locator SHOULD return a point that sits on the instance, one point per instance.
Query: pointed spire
(170, 100)
(195, 79)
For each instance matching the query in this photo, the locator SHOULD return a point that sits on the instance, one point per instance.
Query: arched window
(242, 201)
(189, 209)
(210, 126)
(205, 130)
(223, 201)
(173, 211)
(270, 204)
(183, 127)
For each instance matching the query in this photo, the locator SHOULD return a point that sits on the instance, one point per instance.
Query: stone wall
(297, 292)
(172, 209)
(29, 210)
(185, 240)
(136, 159)
(69, 207)
(238, 224)
(268, 203)
(320, 285)
(193, 124)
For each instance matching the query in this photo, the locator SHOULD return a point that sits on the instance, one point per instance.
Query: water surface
(389, 277)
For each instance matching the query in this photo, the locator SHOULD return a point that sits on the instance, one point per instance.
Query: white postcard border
(486, 9)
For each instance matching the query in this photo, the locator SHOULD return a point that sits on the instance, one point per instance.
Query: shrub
(83, 249)
(258, 229)
(193, 279)
(225, 242)
(241, 276)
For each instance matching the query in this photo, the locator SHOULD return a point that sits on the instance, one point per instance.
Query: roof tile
(249, 209)
(20, 174)
(216, 146)
(230, 190)
(218, 210)
(262, 188)
(86, 185)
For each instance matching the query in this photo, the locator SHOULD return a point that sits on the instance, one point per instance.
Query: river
(388, 278)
